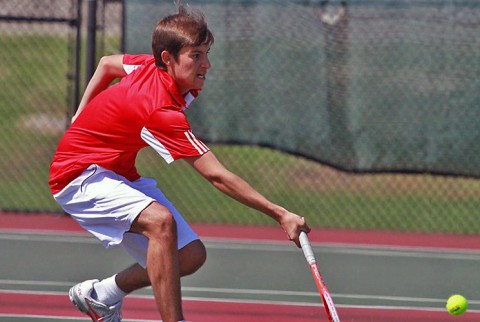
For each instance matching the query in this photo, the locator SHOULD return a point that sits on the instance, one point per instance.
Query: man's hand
(237, 188)
(293, 224)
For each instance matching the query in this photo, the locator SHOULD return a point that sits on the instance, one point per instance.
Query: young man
(93, 174)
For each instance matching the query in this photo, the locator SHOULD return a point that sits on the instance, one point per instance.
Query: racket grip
(306, 248)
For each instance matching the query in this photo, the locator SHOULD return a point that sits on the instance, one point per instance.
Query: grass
(35, 83)
(328, 198)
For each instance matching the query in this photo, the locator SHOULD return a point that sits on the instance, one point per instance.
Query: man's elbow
(112, 65)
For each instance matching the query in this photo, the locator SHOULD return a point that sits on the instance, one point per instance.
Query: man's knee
(155, 222)
(192, 257)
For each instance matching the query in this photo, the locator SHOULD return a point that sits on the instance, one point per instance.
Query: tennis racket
(322, 288)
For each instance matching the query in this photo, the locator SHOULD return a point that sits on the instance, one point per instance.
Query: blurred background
(359, 114)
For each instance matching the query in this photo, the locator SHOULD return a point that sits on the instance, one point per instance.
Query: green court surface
(360, 278)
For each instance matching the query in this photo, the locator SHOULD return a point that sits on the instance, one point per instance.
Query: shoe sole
(72, 294)
(75, 301)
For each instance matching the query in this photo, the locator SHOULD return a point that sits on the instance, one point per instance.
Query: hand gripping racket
(322, 288)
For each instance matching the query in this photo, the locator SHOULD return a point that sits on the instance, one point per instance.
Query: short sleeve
(168, 132)
(132, 62)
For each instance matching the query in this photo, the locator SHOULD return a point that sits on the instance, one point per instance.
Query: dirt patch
(42, 123)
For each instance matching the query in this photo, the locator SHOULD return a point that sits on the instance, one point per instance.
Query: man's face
(190, 69)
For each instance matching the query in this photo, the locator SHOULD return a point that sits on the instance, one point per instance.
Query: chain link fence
(353, 135)
(37, 63)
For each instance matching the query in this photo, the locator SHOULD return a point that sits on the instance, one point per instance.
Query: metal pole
(90, 60)
(78, 47)
(124, 21)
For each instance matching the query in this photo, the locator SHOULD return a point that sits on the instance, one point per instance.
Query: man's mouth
(201, 76)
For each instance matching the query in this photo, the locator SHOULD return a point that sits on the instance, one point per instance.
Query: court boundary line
(61, 318)
(242, 301)
(57, 223)
(269, 245)
(63, 226)
(259, 292)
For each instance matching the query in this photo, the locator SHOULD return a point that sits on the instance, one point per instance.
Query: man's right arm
(237, 188)
(109, 68)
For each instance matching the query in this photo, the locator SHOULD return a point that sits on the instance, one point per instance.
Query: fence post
(91, 40)
(78, 49)
(124, 17)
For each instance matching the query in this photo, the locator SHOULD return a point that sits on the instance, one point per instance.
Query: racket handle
(322, 288)
(307, 248)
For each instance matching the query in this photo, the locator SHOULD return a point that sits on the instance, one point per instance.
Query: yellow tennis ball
(456, 304)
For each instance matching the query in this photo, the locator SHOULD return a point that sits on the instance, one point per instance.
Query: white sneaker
(80, 296)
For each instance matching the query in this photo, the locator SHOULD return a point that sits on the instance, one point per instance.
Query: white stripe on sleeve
(148, 137)
(198, 145)
(130, 68)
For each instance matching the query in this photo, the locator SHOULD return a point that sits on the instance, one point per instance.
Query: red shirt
(144, 108)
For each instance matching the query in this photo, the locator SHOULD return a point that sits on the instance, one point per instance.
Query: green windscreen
(364, 86)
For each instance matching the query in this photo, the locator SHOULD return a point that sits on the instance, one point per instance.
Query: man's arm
(109, 68)
(234, 186)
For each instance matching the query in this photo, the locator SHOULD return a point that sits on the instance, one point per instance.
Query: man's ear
(166, 58)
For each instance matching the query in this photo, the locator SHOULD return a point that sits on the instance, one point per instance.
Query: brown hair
(186, 28)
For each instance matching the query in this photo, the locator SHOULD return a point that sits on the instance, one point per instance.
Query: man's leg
(192, 256)
(163, 261)
(135, 277)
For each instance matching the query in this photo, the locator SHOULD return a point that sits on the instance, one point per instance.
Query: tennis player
(93, 175)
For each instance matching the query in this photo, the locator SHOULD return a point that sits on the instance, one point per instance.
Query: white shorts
(106, 204)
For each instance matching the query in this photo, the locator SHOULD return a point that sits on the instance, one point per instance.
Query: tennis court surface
(252, 274)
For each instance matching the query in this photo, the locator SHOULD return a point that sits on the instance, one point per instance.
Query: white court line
(35, 316)
(350, 249)
(241, 301)
(36, 283)
(233, 291)
(61, 318)
(327, 248)
(264, 245)
(57, 238)
(270, 246)
(187, 298)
